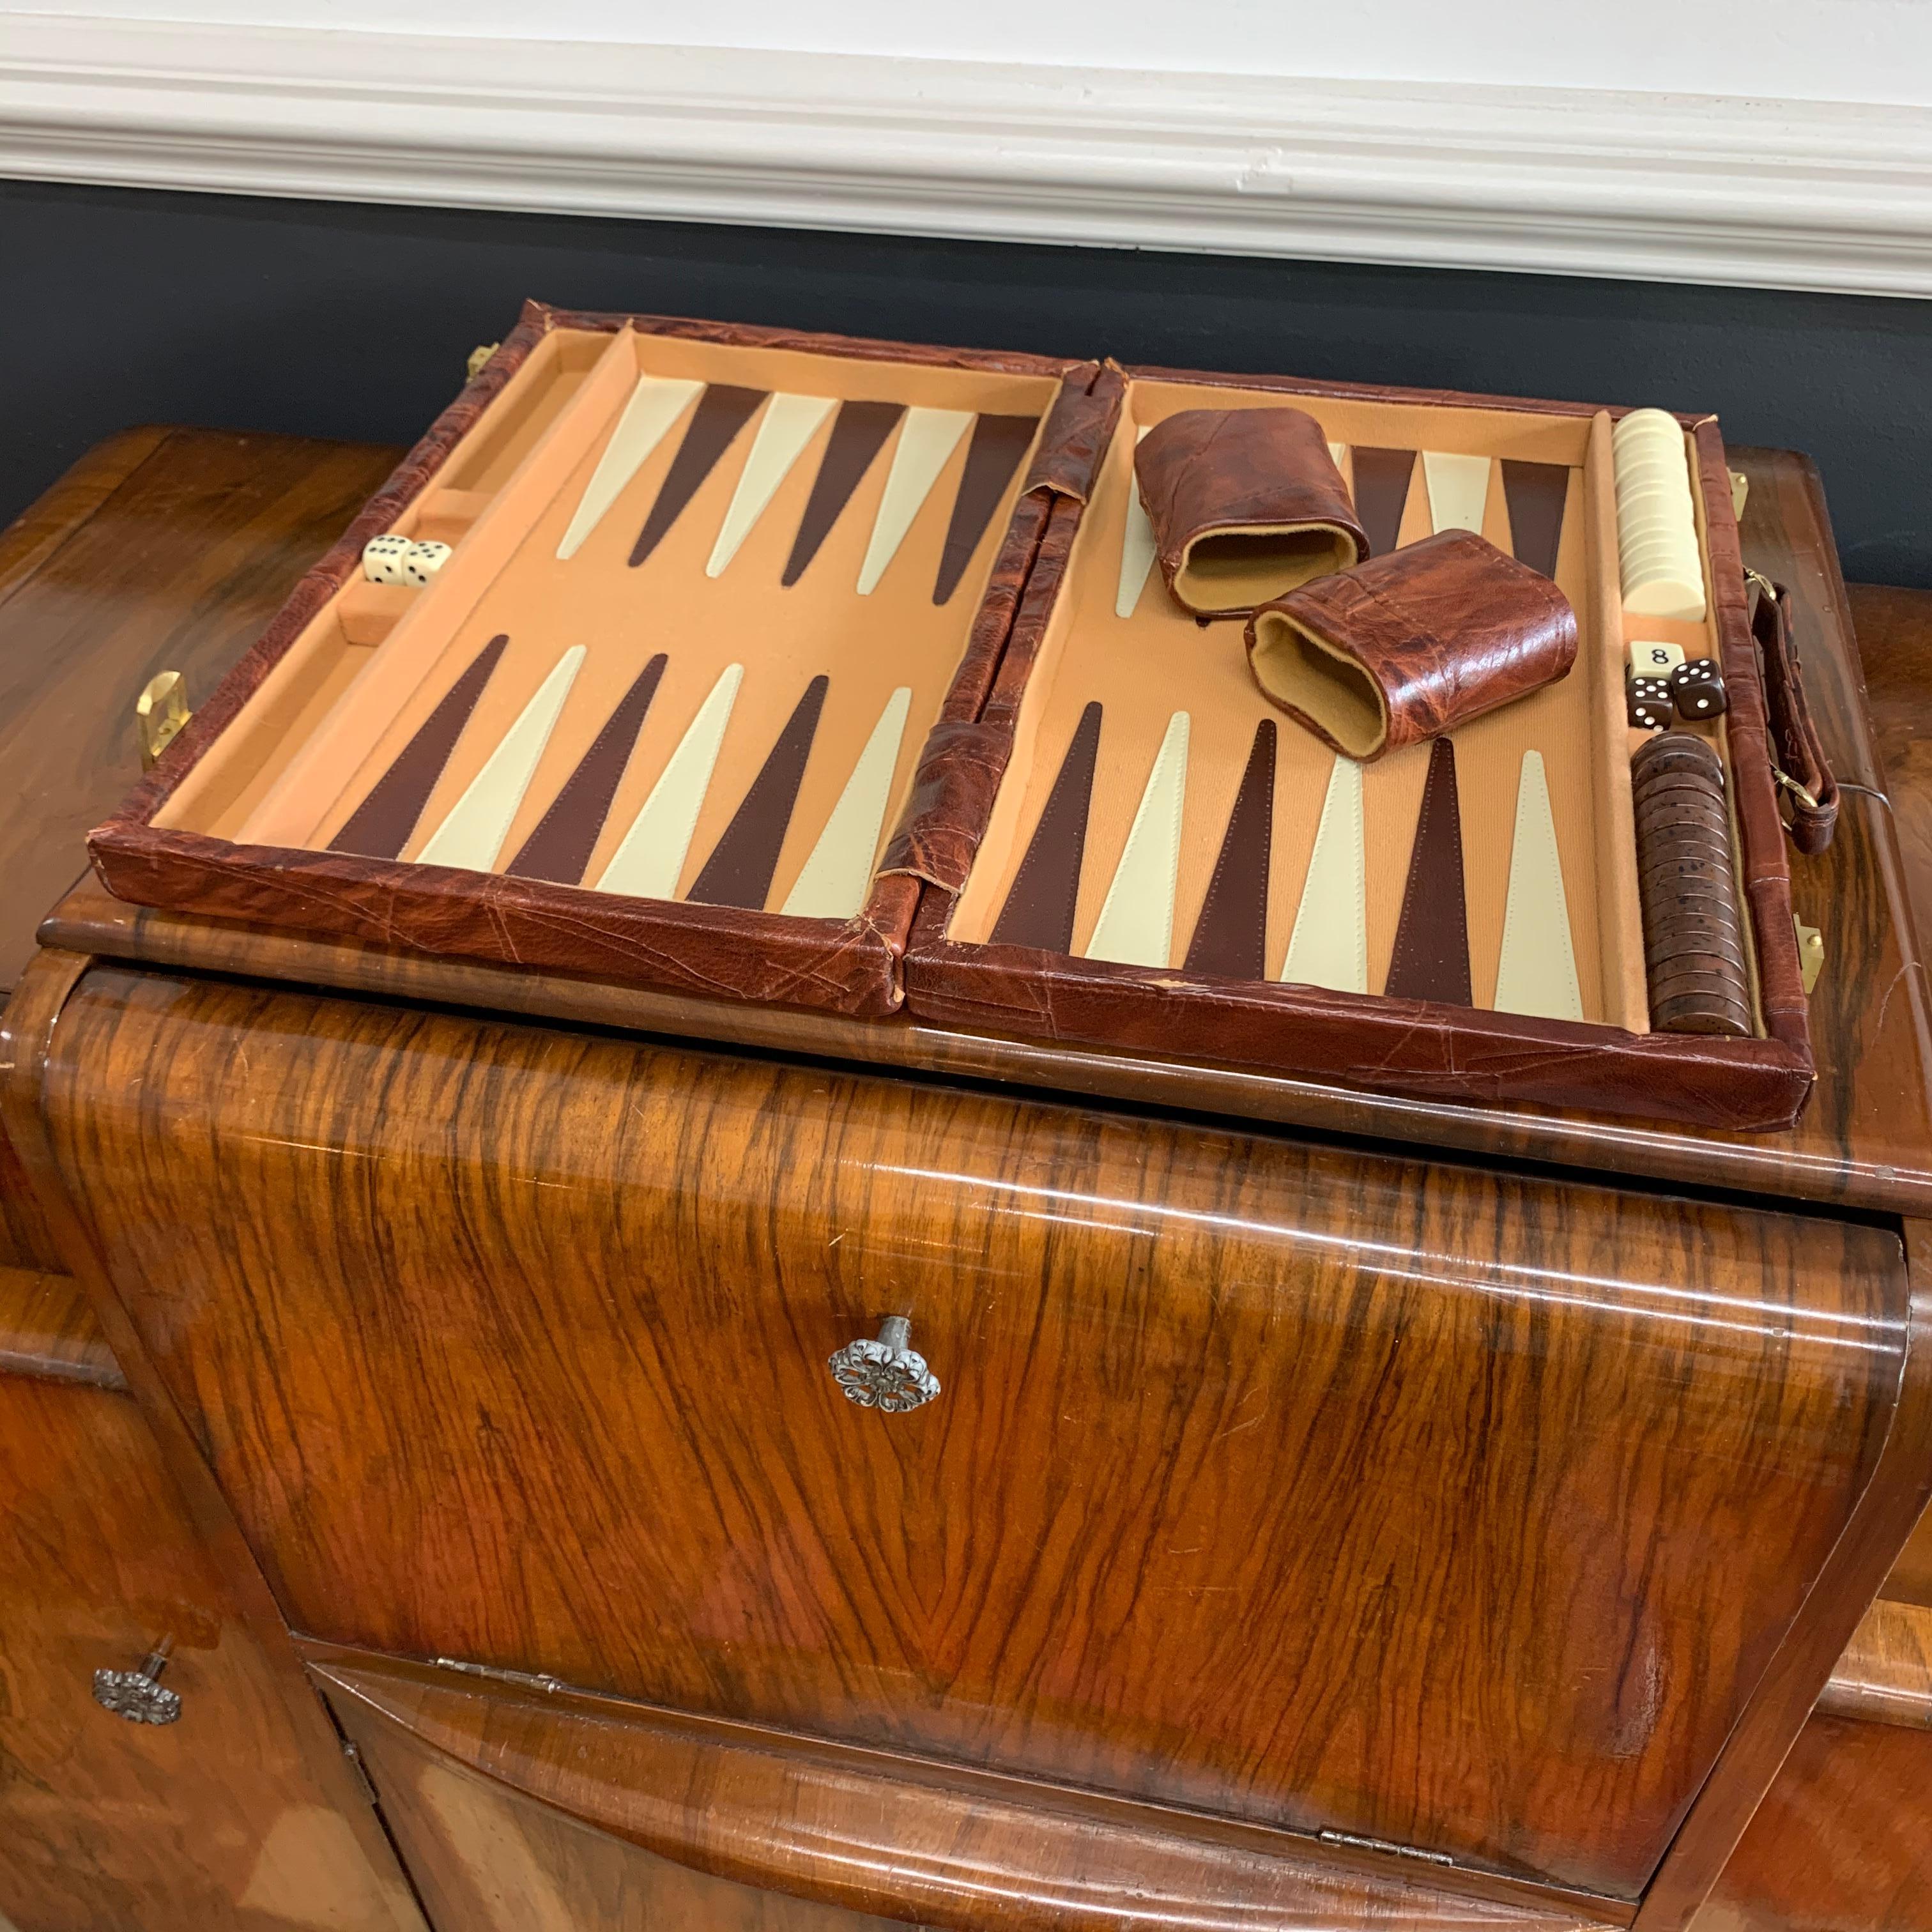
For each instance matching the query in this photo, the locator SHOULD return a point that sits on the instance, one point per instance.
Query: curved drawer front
(1320, 1489)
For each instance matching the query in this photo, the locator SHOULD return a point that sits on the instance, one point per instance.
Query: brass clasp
(160, 713)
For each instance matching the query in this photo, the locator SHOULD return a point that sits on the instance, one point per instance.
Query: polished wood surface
(198, 1518)
(486, 1859)
(865, 1832)
(200, 524)
(1240, 1441)
(48, 1331)
(1866, 1138)
(1842, 1842)
(211, 1824)
(1885, 1674)
(1895, 642)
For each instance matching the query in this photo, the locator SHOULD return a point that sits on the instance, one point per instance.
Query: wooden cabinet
(1307, 1534)
(1336, 1493)
(213, 1823)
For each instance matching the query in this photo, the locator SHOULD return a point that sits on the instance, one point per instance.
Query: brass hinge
(1740, 490)
(480, 354)
(160, 713)
(1810, 953)
(1353, 1842)
(530, 1680)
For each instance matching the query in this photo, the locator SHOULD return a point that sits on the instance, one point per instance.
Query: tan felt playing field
(332, 717)
(1116, 638)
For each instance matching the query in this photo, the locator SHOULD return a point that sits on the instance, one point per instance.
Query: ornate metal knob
(137, 1695)
(885, 1374)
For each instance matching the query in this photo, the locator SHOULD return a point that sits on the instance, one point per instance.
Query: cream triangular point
(655, 404)
(472, 834)
(1136, 545)
(1537, 973)
(1136, 923)
(927, 438)
(1459, 489)
(788, 425)
(832, 885)
(650, 861)
(1330, 945)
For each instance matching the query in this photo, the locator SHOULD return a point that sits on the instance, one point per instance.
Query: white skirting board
(1717, 189)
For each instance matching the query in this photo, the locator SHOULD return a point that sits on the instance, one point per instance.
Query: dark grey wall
(332, 320)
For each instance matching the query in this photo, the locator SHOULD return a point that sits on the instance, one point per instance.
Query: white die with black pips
(402, 560)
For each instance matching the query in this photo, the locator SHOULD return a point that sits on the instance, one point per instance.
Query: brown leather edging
(1761, 862)
(714, 952)
(1406, 1047)
(945, 815)
(849, 966)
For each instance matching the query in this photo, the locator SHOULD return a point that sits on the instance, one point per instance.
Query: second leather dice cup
(1244, 505)
(1409, 646)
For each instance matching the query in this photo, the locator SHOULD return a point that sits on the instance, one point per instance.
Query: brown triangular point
(1432, 937)
(379, 827)
(738, 871)
(1231, 936)
(858, 433)
(722, 411)
(1040, 903)
(998, 444)
(1382, 478)
(560, 847)
(1535, 492)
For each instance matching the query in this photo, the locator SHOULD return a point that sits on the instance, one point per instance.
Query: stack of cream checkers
(402, 560)
(1661, 567)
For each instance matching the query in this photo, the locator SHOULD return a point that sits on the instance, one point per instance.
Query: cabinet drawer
(1318, 1488)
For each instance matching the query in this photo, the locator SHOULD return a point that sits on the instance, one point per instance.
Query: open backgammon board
(840, 674)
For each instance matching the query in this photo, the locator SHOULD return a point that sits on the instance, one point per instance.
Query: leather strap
(1803, 776)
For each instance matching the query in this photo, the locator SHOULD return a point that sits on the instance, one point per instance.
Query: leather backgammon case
(837, 674)
(710, 594)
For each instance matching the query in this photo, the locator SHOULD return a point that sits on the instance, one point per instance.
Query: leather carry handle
(1803, 776)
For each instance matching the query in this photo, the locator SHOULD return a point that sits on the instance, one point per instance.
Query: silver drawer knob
(137, 1695)
(885, 1374)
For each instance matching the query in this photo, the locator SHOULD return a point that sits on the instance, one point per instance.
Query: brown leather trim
(716, 952)
(1762, 864)
(1408, 1047)
(1794, 734)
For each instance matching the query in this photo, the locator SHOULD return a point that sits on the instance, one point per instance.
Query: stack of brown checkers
(1693, 936)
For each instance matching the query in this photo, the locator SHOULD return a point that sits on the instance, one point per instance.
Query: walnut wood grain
(215, 525)
(48, 1331)
(1885, 1674)
(1233, 1429)
(206, 1526)
(1895, 628)
(1797, 1674)
(826, 1831)
(486, 1859)
(26, 1240)
(1842, 1842)
(212, 1824)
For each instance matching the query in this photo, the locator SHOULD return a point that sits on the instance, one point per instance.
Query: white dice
(402, 560)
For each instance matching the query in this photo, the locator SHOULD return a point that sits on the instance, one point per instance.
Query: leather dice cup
(1411, 645)
(1245, 505)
